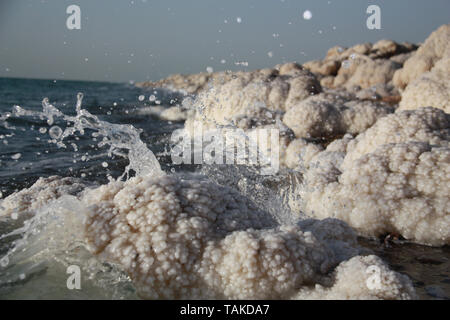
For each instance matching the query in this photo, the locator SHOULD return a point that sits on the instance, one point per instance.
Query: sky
(137, 40)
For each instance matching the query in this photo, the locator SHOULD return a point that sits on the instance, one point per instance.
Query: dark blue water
(25, 151)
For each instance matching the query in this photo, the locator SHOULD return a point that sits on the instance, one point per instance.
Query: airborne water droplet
(55, 132)
(307, 15)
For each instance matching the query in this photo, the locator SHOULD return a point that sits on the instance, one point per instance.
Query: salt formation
(287, 98)
(393, 178)
(259, 95)
(431, 88)
(329, 115)
(363, 67)
(425, 76)
(189, 84)
(43, 191)
(434, 49)
(352, 278)
(254, 100)
(193, 239)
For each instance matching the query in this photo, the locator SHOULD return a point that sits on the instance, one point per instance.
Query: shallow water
(26, 154)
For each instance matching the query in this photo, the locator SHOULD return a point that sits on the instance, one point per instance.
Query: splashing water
(36, 249)
(123, 140)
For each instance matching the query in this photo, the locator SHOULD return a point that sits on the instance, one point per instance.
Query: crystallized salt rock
(393, 178)
(192, 239)
(434, 48)
(39, 194)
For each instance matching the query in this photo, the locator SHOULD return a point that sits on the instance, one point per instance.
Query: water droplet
(55, 132)
(307, 15)
(238, 19)
(42, 130)
(16, 156)
(209, 69)
(105, 165)
(141, 97)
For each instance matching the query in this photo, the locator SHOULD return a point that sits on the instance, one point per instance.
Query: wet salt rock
(39, 194)
(104, 164)
(249, 95)
(435, 47)
(326, 67)
(401, 58)
(394, 177)
(181, 239)
(16, 156)
(42, 130)
(364, 64)
(431, 88)
(353, 278)
(328, 115)
(365, 72)
(55, 132)
(141, 97)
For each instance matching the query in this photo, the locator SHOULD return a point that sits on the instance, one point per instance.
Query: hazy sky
(123, 40)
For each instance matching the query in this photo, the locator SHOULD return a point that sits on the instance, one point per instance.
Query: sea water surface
(28, 151)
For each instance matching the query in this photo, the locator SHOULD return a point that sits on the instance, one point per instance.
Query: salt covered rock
(393, 178)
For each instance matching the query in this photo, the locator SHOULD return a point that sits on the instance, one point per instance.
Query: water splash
(122, 140)
(37, 247)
